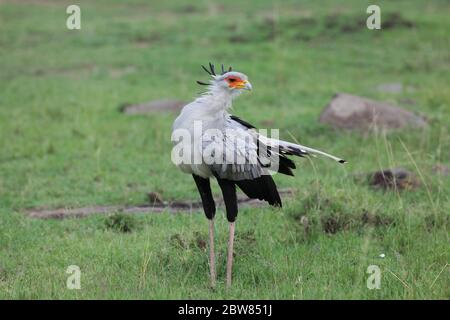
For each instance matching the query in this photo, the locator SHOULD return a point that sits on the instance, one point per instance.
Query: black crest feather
(202, 83)
(211, 67)
(207, 71)
(212, 72)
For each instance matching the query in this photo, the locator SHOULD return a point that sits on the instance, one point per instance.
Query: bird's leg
(212, 256)
(229, 196)
(230, 255)
(209, 207)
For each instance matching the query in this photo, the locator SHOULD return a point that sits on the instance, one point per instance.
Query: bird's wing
(241, 142)
(277, 156)
(286, 148)
(232, 153)
(239, 152)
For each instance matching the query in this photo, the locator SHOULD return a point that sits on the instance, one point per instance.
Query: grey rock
(346, 111)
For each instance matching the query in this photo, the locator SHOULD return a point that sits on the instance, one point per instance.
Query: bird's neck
(217, 99)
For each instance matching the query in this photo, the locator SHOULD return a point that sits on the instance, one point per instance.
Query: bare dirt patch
(178, 206)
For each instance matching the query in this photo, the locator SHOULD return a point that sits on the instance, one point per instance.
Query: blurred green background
(64, 143)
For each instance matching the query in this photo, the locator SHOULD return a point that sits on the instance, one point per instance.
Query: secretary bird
(213, 143)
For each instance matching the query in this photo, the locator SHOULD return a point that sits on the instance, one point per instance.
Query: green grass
(63, 143)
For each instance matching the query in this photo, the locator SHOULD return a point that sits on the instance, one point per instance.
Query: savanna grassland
(64, 143)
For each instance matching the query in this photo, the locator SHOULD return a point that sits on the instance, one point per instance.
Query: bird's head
(229, 81)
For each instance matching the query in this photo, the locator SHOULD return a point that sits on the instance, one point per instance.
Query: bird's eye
(231, 80)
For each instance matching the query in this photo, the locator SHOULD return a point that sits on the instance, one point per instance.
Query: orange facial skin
(236, 82)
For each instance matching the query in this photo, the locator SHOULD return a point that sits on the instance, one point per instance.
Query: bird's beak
(246, 85)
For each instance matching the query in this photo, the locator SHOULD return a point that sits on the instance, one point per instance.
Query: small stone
(396, 178)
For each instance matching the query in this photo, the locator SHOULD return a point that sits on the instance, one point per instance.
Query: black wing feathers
(262, 188)
(243, 122)
(285, 165)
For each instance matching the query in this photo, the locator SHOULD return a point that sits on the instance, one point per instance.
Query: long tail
(296, 149)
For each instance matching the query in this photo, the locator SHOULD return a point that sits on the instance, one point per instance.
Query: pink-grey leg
(212, 257)
(230, 255)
